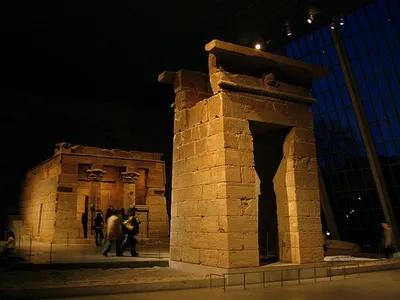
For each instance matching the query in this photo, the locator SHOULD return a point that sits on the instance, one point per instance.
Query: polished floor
(43, 253)
(378, 285)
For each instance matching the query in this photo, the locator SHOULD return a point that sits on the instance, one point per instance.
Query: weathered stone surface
(56, 191)
(214, 203)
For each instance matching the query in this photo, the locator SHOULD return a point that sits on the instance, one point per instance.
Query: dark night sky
(86, 71)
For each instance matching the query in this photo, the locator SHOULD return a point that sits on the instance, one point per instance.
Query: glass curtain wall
(341, 152)
(372, 40)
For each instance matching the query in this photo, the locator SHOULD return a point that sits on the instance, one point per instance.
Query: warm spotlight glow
(257, 46)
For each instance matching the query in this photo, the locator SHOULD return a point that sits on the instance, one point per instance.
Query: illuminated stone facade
(216, 217)
(58, 191)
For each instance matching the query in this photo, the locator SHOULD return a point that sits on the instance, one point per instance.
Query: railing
(265, 280)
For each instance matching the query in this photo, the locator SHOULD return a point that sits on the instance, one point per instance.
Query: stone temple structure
(80, 178)
(244, 162)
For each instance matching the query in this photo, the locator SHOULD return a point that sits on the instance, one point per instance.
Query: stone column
(298, 197)
(129, 180)
(95, 177)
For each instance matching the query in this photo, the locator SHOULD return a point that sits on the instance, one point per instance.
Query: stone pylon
(214, 213)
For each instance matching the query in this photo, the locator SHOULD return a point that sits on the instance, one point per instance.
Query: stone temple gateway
(245, 175)
(57, 192)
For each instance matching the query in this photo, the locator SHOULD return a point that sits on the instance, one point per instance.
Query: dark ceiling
(110, 49)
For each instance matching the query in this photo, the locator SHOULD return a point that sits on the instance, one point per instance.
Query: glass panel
(371, 13)
(394, 7)
(352, 23)
(369, 112)
(376, 133)
(389, 32)
(395, 126)
(362, 19)
(382, 9)
(380, 112)
(351, 51)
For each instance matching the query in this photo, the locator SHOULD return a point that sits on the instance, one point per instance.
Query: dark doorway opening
(268, 142)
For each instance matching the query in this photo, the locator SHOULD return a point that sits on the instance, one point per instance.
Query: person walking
(98, 227)
(113, 232)
(131, 225)
(387, 240)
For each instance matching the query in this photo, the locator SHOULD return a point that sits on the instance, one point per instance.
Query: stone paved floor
(16, 280)
(371, 286)
(40, 253)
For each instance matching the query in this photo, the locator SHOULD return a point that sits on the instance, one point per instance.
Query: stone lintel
(186, 80)
(280, 64)
(269, 92)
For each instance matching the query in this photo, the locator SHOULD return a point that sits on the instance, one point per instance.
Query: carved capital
(130, 177)
(95, 174)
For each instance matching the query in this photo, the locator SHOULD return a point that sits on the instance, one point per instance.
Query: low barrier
(291, 274)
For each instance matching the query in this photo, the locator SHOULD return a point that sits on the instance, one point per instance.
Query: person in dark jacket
(98, 227)
(131, 225)
(85, 224)
(109, 212)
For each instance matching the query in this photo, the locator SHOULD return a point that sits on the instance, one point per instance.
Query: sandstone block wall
(214, 209)
(40, 188)
(297, 189)
(61, 187)
(214, 203)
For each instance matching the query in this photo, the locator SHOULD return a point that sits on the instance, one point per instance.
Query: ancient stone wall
(38, 200)
(62, 185)
(213, 166)
(214, 203)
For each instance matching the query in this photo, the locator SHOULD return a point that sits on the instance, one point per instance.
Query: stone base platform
(287, 272)
(74, 283)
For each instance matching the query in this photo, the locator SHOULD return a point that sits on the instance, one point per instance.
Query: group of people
(121, 230)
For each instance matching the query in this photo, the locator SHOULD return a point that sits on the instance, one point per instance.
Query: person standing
(387, 240)
(98, 226)
(85, 224)
(113, 232)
